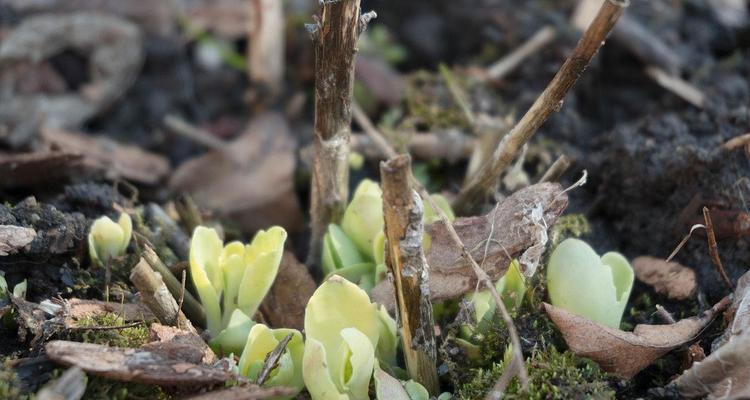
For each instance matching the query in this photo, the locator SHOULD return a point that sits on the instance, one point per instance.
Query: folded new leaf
(239, 274)
(579, 281)
(344, 332)
(108, 240)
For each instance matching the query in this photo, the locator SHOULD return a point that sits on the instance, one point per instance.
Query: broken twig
(156, 296)
(510, 62)
(480, 274)
(404, 256)
(335, 41)
(556, 170)
(548, 102)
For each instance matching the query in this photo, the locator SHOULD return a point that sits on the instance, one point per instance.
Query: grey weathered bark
(190, 305)
(334, 37)
(404, 229)
(156, 296)
(548, 102)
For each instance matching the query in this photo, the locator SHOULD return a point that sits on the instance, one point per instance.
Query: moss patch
(135, 336)
(552, 375)
(10, 385)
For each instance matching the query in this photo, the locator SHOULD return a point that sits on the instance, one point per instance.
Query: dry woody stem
(190, 306)
(548, 102)
(478, 271)
(335, 40)
(156, 296)
(404, 230)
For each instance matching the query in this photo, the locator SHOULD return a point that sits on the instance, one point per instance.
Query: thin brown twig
(664, 314)
(713, 249)
(549, 101)
(479, 272)
(511, 61)
(736, 142)
(556, 170)
(680, 87)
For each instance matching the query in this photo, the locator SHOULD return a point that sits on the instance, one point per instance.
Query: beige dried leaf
(517, 226)
(725, 374)
(671, 279)
(622, 353)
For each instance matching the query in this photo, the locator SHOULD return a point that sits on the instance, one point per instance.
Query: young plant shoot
(346, 333)
(356, 248)
(108, 240)
(261, 341)
(239, 274)
(580, 281)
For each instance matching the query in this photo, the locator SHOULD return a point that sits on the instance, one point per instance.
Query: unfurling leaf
(581, 282)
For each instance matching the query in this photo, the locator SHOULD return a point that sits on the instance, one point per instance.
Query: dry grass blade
(548, 102)
(504, 66)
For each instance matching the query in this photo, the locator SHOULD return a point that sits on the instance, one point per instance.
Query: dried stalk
(265, 53)
(479, 272)
(335, 40)
(404, 229)
(192, 308)
(548, 102)
(556, 170)
(156, 296)
(510, 62)
(713, 249)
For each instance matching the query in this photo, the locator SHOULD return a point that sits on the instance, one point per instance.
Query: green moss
(552, 375)
(104, 389)
(573, 225)
(430, 102)
(135, 336)
(10, 385)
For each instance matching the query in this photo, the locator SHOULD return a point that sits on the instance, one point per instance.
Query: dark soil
(648, 153)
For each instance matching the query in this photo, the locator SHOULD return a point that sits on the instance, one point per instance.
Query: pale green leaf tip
(580, 281)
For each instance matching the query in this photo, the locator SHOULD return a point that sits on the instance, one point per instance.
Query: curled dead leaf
(622, 353)
(516, 228)
(739, 311)
(668, 278)
(253, 177)
(725, 374)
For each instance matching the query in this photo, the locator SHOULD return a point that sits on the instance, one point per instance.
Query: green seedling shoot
(580, 281)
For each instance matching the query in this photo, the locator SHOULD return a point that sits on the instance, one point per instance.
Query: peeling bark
(404, 230)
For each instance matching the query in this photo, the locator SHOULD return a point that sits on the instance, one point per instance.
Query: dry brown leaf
(159, 364)
(104, 156)
(739, 311)
(251, 183)
(514, 227)
(622, 353)
(22, 169)
(668, 278)
(725, 374)
(284, 305)
(113, 47)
